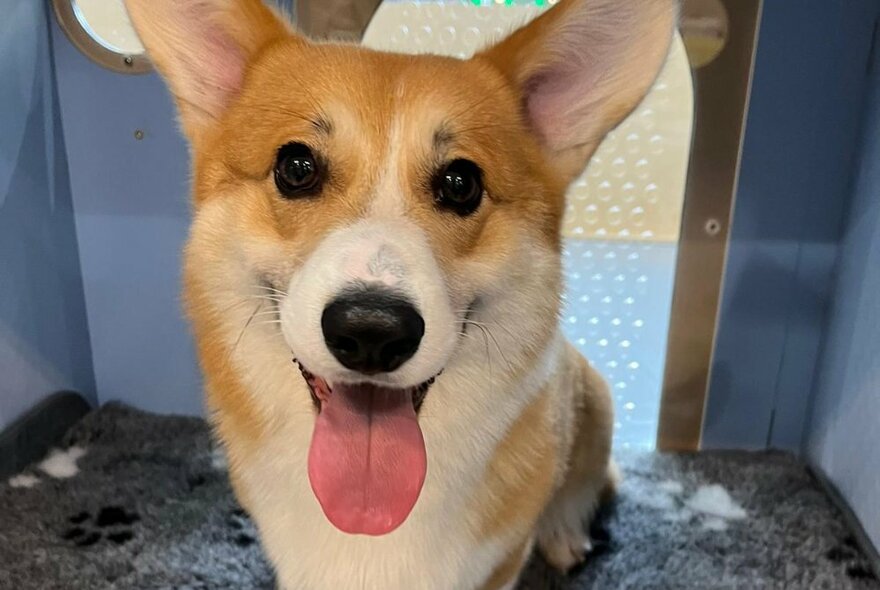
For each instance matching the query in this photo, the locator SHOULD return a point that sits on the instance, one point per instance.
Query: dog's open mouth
(367, 459)
(321, 390)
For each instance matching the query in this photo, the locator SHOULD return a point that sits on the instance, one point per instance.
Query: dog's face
(384, 208)
(395, 202)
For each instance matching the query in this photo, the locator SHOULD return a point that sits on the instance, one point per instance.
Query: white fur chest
(431, 550)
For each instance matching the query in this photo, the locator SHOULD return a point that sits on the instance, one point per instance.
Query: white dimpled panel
(634, 186)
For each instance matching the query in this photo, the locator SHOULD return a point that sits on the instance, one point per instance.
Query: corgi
(374, 280)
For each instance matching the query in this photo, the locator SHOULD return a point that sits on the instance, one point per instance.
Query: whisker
(503, 327)
(266, 298)
(267, 286)
(241, 334)
(273, 302)
(488, 353)
(248, 299)
(271, 289)
(269, 312)
(488, 332)
(232, 306)
(500, 352)
(495, 324)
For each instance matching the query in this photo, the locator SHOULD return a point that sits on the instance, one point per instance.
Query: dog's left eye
(459, 186)
(297, 172)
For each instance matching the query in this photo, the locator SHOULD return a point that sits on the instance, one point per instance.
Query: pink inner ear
(555, 105)
(589, 61)
(560, 94)
(223, 67)
(215, 62)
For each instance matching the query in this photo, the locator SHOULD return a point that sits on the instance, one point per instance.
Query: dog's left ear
(582, 67)
(203, 48)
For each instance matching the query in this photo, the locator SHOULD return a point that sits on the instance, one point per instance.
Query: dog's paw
(565, 550)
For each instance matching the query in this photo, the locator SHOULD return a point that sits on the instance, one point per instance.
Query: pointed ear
(202, 48)
(582, 67)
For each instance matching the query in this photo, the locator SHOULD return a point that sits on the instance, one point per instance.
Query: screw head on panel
(712, 227)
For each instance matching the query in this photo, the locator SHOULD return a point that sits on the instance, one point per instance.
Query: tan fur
(507, 572)
(559, 450)
(590, 477)
(518, 427)
(521, 474)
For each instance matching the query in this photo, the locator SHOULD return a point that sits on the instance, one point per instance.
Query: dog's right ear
(202, 48)
(581, 67)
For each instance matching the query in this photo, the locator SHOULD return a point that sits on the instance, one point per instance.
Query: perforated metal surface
(616, 313)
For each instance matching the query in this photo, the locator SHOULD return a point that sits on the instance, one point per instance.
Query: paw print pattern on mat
(240, 523)
(89, 530)
(849, 555)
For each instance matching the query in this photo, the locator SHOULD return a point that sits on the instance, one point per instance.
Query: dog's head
(384, 206)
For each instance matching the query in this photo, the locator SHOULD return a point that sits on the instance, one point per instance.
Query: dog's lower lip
(317, 384)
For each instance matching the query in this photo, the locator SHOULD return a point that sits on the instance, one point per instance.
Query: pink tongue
(367, 461)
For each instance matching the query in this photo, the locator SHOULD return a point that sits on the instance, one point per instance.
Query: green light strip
(509, 2)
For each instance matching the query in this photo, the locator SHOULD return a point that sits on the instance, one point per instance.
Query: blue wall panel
(132, 212)
(844, 433)
(802, 131)
(131, 199)
(44, 339)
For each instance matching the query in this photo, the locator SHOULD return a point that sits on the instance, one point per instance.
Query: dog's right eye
(459, 187)
(297, 171)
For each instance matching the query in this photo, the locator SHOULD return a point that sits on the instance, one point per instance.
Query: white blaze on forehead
(388, 196)
(410, 138)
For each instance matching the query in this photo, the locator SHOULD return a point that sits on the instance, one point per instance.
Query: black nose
(372, 331)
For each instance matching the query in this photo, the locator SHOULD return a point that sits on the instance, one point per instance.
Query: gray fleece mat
(150, 507)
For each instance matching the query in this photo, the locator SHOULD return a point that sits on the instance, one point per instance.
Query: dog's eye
(297, 173)
(459, 187)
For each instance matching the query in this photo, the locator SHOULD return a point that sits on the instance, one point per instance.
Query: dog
(373, 278)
